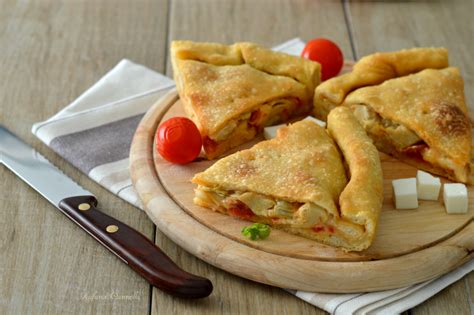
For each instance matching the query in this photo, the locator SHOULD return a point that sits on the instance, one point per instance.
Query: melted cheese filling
(403, 138)
(268, 114)
(280, 212)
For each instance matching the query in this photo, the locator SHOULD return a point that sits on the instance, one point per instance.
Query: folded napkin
(105, 118)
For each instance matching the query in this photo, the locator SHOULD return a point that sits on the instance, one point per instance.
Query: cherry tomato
(327, 54)
(178, 140)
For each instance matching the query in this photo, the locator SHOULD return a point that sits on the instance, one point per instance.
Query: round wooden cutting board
(411, 246)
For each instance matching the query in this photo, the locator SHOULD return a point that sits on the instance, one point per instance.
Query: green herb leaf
(263, 231)
(256, 230)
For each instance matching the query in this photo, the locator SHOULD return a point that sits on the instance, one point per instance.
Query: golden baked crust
(232, 92)
(421, 119)
(285, 167)
(297, 181)
(361, 200)
(375, 69)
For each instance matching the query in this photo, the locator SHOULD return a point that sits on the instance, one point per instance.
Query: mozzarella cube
(455, 198)
(405, 194)
(271, 131)
(428, 186)
(319, 122)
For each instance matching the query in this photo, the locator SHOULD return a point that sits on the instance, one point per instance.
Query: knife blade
(78, 204)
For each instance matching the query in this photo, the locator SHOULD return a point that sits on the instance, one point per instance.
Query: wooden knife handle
(134, 249)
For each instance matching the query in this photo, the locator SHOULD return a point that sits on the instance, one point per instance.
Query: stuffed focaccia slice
(375, 69)
(297, 182)
(233, 92)
(421, 119)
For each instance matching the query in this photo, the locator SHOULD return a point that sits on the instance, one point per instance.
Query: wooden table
(51, 51)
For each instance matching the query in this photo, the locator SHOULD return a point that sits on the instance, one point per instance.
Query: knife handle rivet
(111, 228)
(84, 206)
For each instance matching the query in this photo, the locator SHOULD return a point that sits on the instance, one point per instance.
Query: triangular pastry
(375, 69)
(298, 182)
(233, 92)
(421, 119)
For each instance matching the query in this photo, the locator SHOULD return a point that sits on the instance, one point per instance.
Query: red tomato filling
(209, 144)
(323, 228)
(297, 101)
(240, 210)
(255, 117)
(318, 228)
(416, 151)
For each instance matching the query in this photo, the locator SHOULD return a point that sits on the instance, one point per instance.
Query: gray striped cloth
(105, 117)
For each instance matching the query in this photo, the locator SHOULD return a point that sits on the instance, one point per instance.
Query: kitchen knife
(132, 247)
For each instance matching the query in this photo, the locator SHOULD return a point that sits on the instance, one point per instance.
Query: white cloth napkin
(105, 118)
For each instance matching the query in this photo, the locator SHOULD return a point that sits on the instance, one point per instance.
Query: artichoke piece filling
(303, 215)
(400, 136)
(268, 114)
(298, 215)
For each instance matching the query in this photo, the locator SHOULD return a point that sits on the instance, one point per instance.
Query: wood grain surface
(52, 50)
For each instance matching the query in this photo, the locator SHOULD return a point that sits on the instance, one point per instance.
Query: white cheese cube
(404, 193)
(271, 131)
(428, 186)
(455, 198)
(319, 122)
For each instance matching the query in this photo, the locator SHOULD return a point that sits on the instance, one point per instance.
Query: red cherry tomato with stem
(178, 140)
(327, 54)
